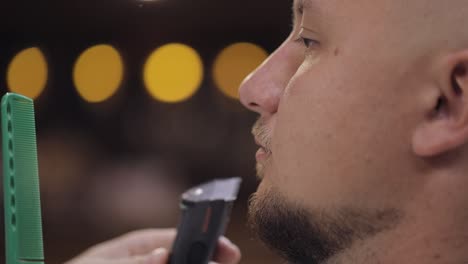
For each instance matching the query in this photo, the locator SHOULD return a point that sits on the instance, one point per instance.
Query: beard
(303, 236)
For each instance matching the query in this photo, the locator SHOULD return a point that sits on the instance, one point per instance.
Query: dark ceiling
(165, 17)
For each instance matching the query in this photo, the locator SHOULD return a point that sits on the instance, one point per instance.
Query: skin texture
(363, 129)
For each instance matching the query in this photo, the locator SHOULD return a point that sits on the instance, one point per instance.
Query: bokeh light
(173, 73)
(27, 73)
(234, 63)
(98, 73)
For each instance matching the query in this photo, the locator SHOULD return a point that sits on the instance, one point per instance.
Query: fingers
(134, 244)
(158, 256)
(138, 248)
(227, 252)
(145, 241)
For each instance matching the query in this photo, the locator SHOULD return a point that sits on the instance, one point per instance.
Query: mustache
(262, 134)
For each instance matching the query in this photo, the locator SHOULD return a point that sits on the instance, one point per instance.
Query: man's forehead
(303, 4)
(298, 5)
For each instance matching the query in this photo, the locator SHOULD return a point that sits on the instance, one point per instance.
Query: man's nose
(261, 90)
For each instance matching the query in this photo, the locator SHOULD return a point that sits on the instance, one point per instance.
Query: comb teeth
(21, 180)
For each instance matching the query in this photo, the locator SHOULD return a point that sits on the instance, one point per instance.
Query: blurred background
(136, 100)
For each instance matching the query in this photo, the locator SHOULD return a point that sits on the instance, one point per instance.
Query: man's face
(337, 105)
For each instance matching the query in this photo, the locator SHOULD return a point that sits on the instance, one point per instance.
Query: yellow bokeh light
(173, 73)
(235, 63)
(27, 73)
(98, 73)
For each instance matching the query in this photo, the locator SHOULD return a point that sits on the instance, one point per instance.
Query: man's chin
(280, 227)
(307, 236)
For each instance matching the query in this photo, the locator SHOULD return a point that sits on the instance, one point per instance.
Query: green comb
(23, 223)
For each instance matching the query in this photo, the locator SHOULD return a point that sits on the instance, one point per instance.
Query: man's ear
(445, 127)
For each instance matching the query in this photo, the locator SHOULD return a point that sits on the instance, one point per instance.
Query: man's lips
(263, 152)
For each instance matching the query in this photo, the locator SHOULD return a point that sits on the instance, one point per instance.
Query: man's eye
(308, 43)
